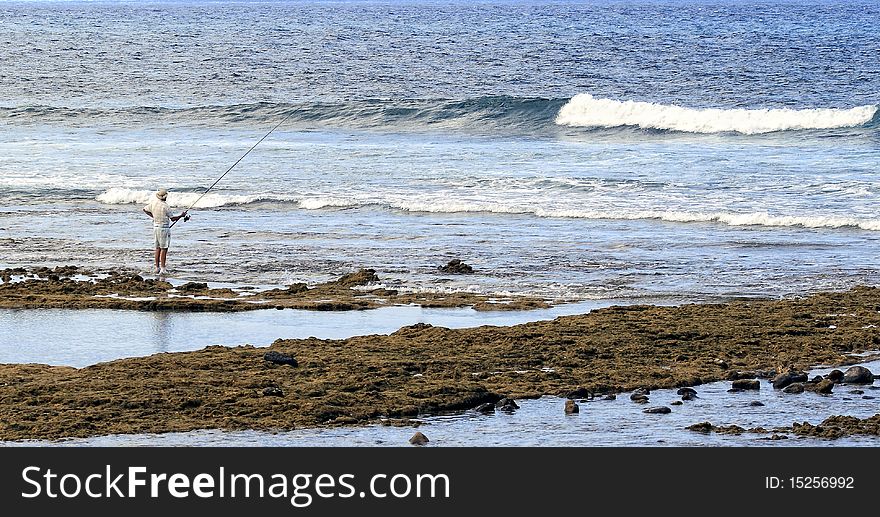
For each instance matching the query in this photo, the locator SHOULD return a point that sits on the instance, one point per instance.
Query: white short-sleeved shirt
(160, 210)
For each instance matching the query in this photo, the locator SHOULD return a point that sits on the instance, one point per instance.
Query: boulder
(659, 410)
(418, 439)
(689, 395)
(858, 375)
(794, 388)
(610, 396)
(641, 391)
(746, 384)
(682, 391)
(279, 358)
(835, 376)
(676, 403)
(571, 407)
(193, 286)
(756, 403)
(824, 386)
(639, 399)
(784, 379)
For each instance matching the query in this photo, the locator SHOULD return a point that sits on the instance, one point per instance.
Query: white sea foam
(584, 110)
(122, 196)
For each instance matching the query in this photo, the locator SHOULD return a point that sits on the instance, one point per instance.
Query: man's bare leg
(157, 257)
(163, 256)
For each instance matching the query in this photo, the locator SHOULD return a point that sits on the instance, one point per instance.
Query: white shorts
(163, 236)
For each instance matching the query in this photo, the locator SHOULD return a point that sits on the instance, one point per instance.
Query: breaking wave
(584, 110)
(123, 196)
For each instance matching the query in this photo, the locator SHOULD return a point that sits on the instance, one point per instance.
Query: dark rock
(835, 376)
(193, 286)
(756, 403)
(580, 393)
(735, 390)
(858, 375)
(868, 397)
(641, 391)
(272, 391)
(682, 391)
(571, 407)
(702, 427)
(676, 403)
(659, 410)
(279, 358)
(485, 408)
(689, 395)
(778, 437)
(794, 388)
(746, 384)
(418, 439)
(824, 386)
(784, 379)
(506, 404)
(456, 267)
(639, 399)
(610, 396)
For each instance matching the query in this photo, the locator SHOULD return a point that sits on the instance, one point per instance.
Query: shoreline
(71, 287)
(422, 370)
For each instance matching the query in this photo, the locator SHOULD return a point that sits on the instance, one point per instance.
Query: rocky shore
(423, 370)
(71, 287)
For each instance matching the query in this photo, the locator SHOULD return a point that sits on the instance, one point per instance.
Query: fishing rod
(233, 166)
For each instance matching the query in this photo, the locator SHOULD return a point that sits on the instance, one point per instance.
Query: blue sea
(685, 150)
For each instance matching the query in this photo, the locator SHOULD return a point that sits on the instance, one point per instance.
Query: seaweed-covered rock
(746, 384)
(419, 439)
(456, 267)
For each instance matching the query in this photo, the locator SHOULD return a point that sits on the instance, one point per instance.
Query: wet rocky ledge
(423, 370)
(71, 287)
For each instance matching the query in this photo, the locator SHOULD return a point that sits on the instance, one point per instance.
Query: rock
(702, 427)
(816, 379)
(418, 439)
(682, 391)
(610, 396)
(360, 277)
(676, 403)
(193, 286)
(779, 437)
(641, 391)
(868, 397)
(835, 376)
(659, 410)
(721, 363)
(824, 386)
(784, 379)
(735, 390)
(571, 407)
(857, 392)
(746, 384)
(506, 404)
(639, 399)
(689, 395)
(456, 267)
(485, 408)
(279, 358)
(272, 391)
(756, 403)
(794, 388)
(580, 393)
(736, 375)
(858, 375)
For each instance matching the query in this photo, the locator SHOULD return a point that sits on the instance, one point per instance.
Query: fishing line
(236, 163)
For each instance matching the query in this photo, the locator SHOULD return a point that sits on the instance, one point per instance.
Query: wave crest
(124, 196)
(584, 110)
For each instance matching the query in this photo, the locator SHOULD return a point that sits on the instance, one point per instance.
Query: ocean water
(582, 150)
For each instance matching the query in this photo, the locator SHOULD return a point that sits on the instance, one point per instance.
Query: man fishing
(159, 210)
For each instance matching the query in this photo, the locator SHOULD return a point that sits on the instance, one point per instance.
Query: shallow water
(83, 337)
(541, 422)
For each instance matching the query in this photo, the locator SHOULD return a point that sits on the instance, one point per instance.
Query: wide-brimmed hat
(162, 194)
